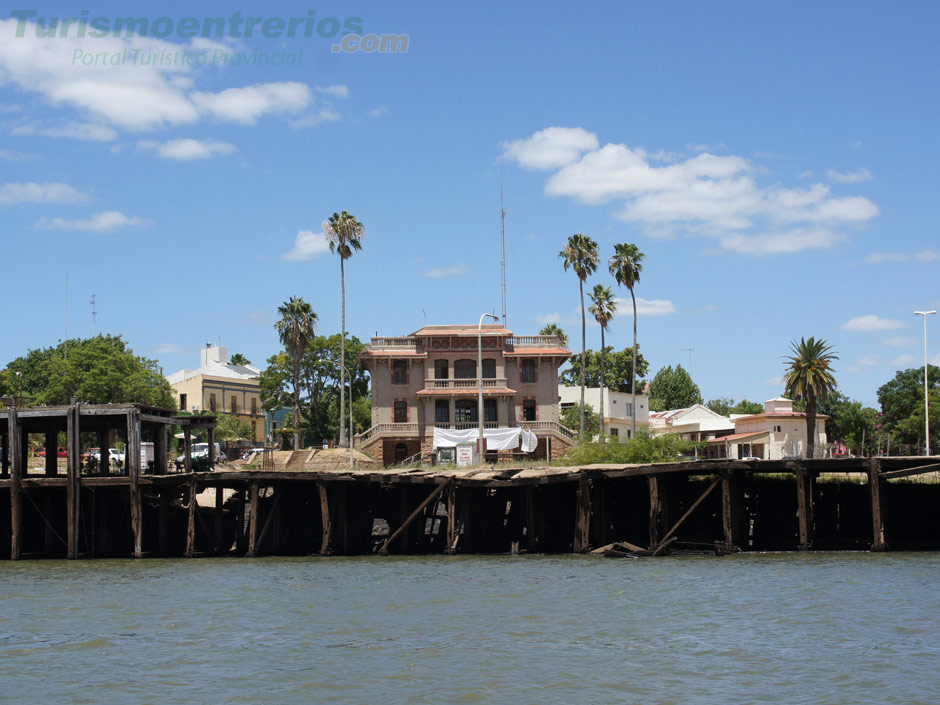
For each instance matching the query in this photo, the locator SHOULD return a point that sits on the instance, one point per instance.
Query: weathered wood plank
(383, 551)
(582, 524)
(132, 459)
(909, 472)
(253, 520)
(804, 495)
(876, 486)
(326, 541)
(687, 514)
(73, 492)
(191, 520)
(17, 457)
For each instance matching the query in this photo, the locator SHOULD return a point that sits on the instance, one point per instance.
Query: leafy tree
(626, 266)
(673, 389)
(747, 407)
(809, 377)
(727, 406)
(618, 369)
(849, 421)
(580, 254)
(571, 416)
(344, 233)
(911, 429)
(295, 329)
(555, 329)
(902, 398)
(231, 428)
(603, 307)
(98, 370)
(239, 359)
(642, 448)
(721, 405)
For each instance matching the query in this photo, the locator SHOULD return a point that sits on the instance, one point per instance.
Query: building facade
(219, 386)
(617, 408)
(778, 433)
(694, 423)
(429, 380)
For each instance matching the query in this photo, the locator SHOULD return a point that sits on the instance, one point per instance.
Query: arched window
(465, 369)
(489, 368)
(401, 452)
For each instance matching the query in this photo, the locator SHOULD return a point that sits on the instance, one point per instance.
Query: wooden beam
(132, 459)
(908, 472)
(876, 485)
(728, 518)
(804, 497)
(325, 521)
(74, 480)
(530, 528)
(191, 520)
(217, 515)
(451, 546)
(267, 522)
(16, 483)
(688, 513)
(383, 551)
(253, 520)
(582, 524)
(657, 509)
(52, 453)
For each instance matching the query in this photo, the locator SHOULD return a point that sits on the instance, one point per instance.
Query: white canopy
(495, 438)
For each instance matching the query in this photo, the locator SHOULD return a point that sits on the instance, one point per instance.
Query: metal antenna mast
(94, 315)
(502, 237)
(690, 351)
(66, 349)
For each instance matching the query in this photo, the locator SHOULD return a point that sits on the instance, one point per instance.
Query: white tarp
(495, 438)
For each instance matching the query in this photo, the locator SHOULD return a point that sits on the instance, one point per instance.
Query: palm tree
(603, 307)
(345, 235)
(580, 254)
(555, 329)
(295, 329)
(239, 359)
(809, 377)
(626, 265)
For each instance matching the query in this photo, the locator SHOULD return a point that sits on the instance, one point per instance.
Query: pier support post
(132, 458)
(161, 521)
(532, 537)
(326, 548)
(160, 450)
(74, 479)
(876, 485)
(451, 546)
(657, 509)
(191, 520)
(217, 516)
(104, 455)
(582, 527)
(16, 484)
(730, 510)
(253, 520)
(52, 453)
(4, 454)
(804, 496)
(48, 509)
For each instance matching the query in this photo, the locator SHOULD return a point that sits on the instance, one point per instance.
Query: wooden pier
(710, 505)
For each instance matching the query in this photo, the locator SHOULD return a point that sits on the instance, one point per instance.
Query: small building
(428, 380)
(617, 407)
(694, 423)
(219, 386)
(778, 433)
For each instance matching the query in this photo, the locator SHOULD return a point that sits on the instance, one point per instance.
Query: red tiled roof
(464, 391)
(488, 330)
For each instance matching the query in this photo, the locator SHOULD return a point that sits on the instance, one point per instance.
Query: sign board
(466, 454)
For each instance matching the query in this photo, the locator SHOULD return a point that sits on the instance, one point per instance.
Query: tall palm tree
(555, 329)
(580, 254)
(603, 307)
(344, 233)
(626, 265)
(295, 329)
(809, 377)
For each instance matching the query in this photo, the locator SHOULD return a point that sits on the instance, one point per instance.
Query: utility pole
(690, 351)
(94, 315)
(502, 236)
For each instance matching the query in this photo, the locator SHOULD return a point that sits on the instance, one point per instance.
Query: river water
(778, 628)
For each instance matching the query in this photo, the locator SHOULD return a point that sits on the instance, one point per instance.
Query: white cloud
(773, 382)
(550, 148)
(246, 105)
(8, 156)
(919, 256)
(456, 270)
(318, 117)
(187, 149)
(307, 245)
(168, 348)
(706, 147)
(73, 130)
(871, 323)
(99, 222)
(706, 195)
(849, 177)
(927, 255)
(806, 174)
(645, 307)
(902, 361)
(337, 91)
(900, 342)
(31, 192)
(378, 112)
(549, 318)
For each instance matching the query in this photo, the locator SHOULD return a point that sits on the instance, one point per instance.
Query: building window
(489, 410)
(182, 402)
(528, 410)
(465, 369)
(399, 372)
(465, 411)
(489, 369)
(401, 452)
(528, 371)
(233, 405)
(401, 412)
(776, 429)
(615, 432)
(254, 405)
(441, 411)
(212, 402)
(440, 369)
(254, 430)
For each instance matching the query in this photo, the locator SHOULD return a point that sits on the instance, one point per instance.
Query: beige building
(222, 387)
(779, 432)
(428, 380)
(617, 408)
(694, 423)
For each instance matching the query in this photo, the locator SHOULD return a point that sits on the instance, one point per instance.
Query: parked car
(61, 452)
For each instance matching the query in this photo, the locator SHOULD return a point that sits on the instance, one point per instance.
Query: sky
(775, 162)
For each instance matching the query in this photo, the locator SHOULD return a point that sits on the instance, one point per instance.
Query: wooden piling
(161, 523)
(657, 509)
(383, 551)
(16, 484)
(804, 495)
(582, 525)
(74, 480)
(217, 517)
(253, 520)
(451, 546)
(191, 520)
(876, 485)
(132, 458)
(729, 520)
(531, 531)
(326, 546)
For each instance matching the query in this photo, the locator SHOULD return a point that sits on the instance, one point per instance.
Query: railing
(464, 425)
(470, 384)
(547, 426)
(402, 343)
(413, 429)
(533, 341)
(390, 428)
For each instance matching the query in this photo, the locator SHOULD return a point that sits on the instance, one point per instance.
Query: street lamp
(352, 457)
(480, 377)
(926, 405)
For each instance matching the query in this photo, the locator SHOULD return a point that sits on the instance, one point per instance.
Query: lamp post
(352, 457)
(480, 377)
(926, 405)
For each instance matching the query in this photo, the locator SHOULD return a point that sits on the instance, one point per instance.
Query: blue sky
(774, 161)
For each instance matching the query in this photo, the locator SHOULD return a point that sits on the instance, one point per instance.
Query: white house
(616, 411)
(777, 433)
(694, 423)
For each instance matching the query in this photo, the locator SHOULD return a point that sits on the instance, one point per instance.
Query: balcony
(396, 430)
(397, 344)
(468, 385)
(533, 341)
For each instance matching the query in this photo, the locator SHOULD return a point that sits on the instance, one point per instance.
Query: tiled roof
(488, 330)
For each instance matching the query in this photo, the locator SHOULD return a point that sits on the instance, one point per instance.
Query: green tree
(344, 233)
(571, 416)
(99, 370)
(603, 307)
(901, 398)
(239, 359)
(809, 377)
(618, 369)
(747, 407)
(849, 421)
(555, 329)
(295, 329)
(580, 254)
(721, 405)
(642, 448)
(626, 266)
(231, 428)
(673, 389)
